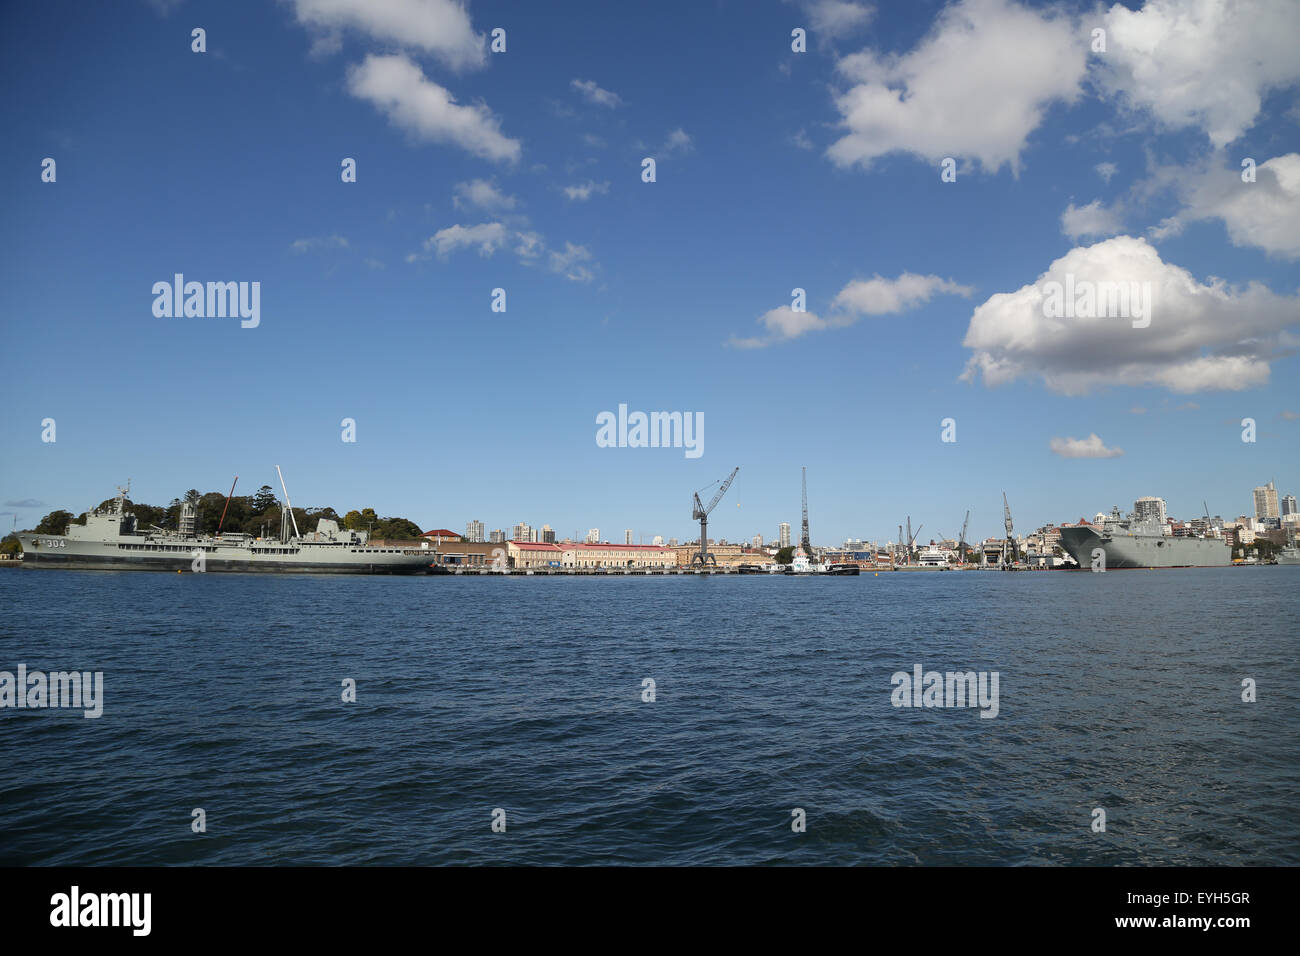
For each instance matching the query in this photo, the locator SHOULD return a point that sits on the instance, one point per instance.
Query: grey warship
(109, 541)
(1138, 542)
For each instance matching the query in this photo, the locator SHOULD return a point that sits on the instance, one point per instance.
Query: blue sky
(775, 170)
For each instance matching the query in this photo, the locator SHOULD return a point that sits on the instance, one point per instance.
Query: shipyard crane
(804, 541)
(1009, 545)
(911, 538)
(899, 546)
(700, 513)
(961, 542)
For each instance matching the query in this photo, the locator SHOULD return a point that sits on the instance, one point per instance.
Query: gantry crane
(701, 514)
(1009, 551)
(804, 541)
(961, 542)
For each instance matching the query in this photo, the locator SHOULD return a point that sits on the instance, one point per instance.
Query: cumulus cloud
(1106, 170)
(594, 94)
(586, 190)
(1093, 219)
(398, 88)
(836, 17)
(1198, 63)
(483, 194)
(1264, 214)
(1090, 447)
(876, 296)
(574, 262)
(879, 296)
(487, 237)
(1200, 337)
(780, 325)
(438, 27)
(976, 86)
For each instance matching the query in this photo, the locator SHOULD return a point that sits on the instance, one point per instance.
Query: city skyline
(806, 280)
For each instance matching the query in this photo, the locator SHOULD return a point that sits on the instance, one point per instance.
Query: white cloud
(781, 325)
(801, 140)
(1090, 447)
(1201, 63)
(438, 27)
(879, 296)
(1264, 214)
(678, 141)
(483, 194)
(837, 17)
(594, 94)
(860, 297)
(585, 191)
(1093, 219)
(1106, 170)
(530, 245)
(571, 263)
(488, 237)
(1200, 337)
(594, 141)
(398, 88)
(977, 86)
(318, 242)
(574, 262)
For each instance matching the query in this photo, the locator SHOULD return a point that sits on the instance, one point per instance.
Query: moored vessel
(1138, 542)
(109, 541)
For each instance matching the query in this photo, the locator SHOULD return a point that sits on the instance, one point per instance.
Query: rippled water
(1120, 691)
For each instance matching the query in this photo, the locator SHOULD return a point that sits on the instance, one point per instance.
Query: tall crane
(804, 541)
(701, 514)
(961, 542)
(1009, 545)
(911, 538)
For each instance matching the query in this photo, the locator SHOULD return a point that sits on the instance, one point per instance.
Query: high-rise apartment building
(474, 531)
(1266, 502)
(783, 536)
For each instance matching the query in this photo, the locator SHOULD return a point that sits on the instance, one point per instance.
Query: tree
(263, 500)
(10, 544)
(360, 520)
(56, 522)
(785, 555)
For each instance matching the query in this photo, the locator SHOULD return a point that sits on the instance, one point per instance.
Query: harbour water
(1120, 691)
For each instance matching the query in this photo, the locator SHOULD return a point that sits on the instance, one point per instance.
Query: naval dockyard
(182, 538)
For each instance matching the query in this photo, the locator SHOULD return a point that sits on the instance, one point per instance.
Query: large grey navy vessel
(109, 541)
(1137, 542)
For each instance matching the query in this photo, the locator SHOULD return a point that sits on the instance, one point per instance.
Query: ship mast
(288, 504)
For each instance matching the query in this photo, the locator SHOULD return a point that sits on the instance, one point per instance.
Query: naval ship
(109, 541)
(1138, 542)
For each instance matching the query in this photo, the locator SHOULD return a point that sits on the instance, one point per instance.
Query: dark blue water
(1120, 691)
